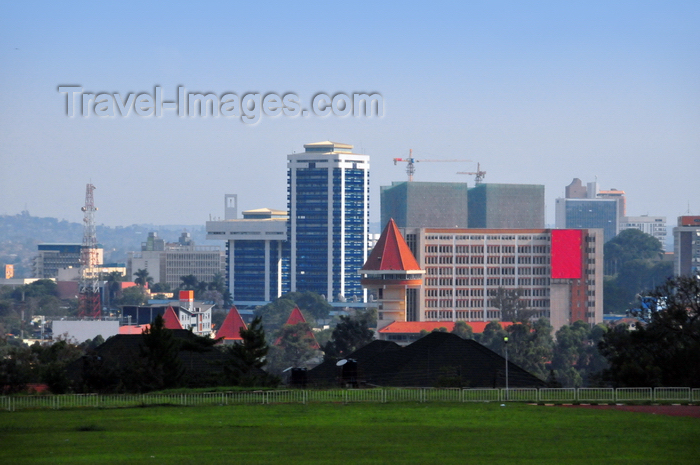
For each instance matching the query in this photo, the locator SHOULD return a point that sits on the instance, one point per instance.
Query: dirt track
(673, 410)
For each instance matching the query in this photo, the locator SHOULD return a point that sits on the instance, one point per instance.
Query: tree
(113, 285)
(160, 350)
(246, 359)
(576, 360)
(349, 335)
(159, 288)
(189, 282)
(135, 295)
(295, 346)
(509, 303)
(630, 244)
(143, 279)
(530, 346)
(666, 350)
(463, 330)
(275, 313)
(632, 265)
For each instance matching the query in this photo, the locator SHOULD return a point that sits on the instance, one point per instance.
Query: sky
(536, 92)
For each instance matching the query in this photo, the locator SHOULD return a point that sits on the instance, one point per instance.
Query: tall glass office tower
(328, 228)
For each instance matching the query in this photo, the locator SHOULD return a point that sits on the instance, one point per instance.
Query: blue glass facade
(594, 213)
(249, 270)
(328, 202)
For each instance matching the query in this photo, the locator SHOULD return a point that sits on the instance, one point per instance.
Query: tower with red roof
(394, 275)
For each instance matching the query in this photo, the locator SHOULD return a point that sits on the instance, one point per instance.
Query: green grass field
(348, 434)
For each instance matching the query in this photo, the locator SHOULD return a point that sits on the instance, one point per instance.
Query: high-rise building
(424, 204)
(686, 246)
(254, 252)
(328, 205)
(506, 206)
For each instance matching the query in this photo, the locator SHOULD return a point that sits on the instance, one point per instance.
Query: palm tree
(113, 279)
(142, 278)
(189, 282)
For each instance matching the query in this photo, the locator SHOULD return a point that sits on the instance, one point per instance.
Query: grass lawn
(348, 434)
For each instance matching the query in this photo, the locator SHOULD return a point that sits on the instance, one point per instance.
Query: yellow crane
(411, 167)
(478, 174)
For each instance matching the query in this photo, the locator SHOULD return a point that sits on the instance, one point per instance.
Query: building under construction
(454, 205)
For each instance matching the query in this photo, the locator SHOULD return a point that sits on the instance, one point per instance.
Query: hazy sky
(537, 92)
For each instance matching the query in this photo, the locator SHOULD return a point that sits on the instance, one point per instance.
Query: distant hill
(20, 235)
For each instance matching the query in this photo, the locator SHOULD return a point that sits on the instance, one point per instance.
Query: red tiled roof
(171, 319)
(415, 327)
(133, 329)
(391, 252)
(232, 325)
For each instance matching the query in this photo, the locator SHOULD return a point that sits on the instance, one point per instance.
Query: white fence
(597, 395)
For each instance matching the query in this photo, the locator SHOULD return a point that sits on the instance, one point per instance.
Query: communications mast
(89, 305)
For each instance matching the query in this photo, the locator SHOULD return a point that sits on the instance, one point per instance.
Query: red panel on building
(567, 253)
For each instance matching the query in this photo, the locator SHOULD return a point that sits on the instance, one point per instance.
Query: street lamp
(505, 340)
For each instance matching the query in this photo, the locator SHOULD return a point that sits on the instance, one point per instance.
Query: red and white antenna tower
(89, 292)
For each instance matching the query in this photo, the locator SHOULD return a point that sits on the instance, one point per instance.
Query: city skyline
(538, 94)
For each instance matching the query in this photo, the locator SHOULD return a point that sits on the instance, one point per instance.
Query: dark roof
(425, 362)
(120, 351)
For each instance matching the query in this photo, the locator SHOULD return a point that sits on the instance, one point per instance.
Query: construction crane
(411, 167)
(478, 174)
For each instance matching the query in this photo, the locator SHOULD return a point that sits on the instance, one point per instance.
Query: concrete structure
(178, 259)
(652, 225)
(506, 206)
(53, 257)
(394, 277)
(254, 249)
(423, 204)
(328, 206)
(686, 246)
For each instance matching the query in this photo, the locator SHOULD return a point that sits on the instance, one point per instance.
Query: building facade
(254, 253)
(54, 257)
(328, 227)
(589, 213)
(559, 272)
(182, 258)
(686, 246)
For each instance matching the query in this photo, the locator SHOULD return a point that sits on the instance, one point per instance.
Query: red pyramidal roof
(391, 252)
(295, 317)
(232, 325)
(171, 319)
